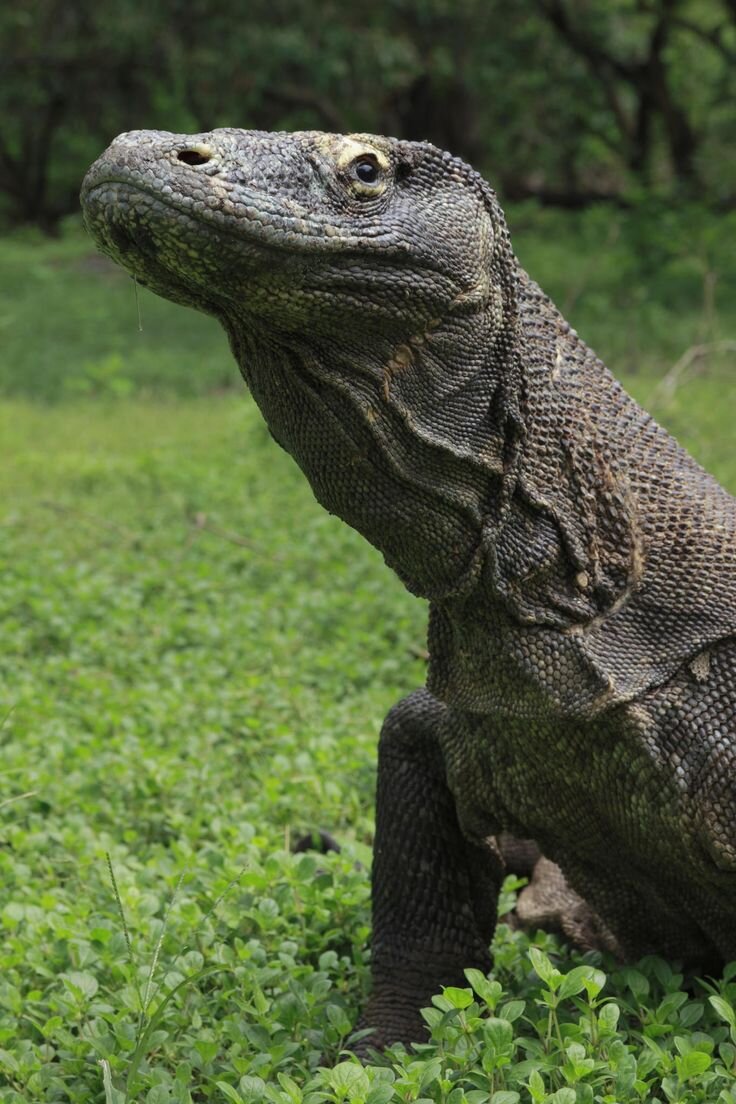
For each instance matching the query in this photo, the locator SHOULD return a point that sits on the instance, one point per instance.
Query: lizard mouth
(129, 211)
(235, 212)
(154, 241)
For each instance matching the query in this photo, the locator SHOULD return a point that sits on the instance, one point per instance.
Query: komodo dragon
(580, 566)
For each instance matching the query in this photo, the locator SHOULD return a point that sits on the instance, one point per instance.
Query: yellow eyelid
(352, 151)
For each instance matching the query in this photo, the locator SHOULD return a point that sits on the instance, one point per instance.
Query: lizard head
(291, 230)
(363, 282)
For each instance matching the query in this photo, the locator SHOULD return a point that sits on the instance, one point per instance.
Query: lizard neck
(412, 443)
(469, 453)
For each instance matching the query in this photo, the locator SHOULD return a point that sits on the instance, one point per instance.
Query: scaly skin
(579, 564)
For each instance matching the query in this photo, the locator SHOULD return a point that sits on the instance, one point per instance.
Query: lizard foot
(548, 902)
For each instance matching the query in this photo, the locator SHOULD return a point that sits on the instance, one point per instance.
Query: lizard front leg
(434, 892)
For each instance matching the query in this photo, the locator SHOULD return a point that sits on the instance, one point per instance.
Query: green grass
(195, 663)
(69, 329)
(184, 702)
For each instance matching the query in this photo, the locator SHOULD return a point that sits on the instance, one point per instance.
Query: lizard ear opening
(408, 157)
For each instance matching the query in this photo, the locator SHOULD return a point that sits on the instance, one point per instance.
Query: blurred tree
(630, 51)
(565, 100)
(67, 72)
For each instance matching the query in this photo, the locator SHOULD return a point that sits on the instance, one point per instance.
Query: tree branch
(713, 37)
(559, 17)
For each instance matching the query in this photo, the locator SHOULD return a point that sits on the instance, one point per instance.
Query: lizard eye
(366, 170)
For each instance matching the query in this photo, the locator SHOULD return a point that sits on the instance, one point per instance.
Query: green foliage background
(563, 100)
(196, 659)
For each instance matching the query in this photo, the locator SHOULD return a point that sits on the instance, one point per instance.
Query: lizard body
(580, 566)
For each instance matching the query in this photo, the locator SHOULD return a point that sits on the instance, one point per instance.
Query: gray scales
(580, 566)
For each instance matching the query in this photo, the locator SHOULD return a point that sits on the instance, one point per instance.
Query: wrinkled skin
(579, 564)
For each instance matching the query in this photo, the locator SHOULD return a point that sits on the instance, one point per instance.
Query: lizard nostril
(194, 156)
